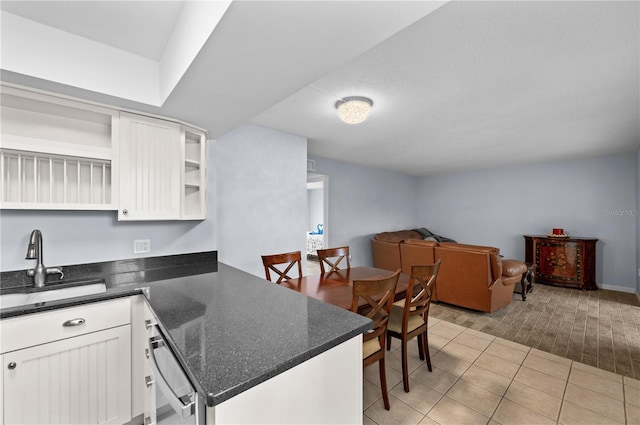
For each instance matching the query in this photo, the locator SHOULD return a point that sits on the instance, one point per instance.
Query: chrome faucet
(34, 252)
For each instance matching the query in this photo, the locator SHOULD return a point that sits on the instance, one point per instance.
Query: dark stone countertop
(229, 329)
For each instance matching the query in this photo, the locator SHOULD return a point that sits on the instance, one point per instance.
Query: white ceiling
(144, 29)
(455, 86)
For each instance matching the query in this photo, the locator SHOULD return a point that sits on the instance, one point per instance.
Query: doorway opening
(317, 214)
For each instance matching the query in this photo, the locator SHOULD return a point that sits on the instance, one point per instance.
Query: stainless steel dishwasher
(174, 398)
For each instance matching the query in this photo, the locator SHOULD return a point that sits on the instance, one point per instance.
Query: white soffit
(38, 50)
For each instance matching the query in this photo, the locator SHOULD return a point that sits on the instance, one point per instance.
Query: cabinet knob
(125, 212)
(12, 365)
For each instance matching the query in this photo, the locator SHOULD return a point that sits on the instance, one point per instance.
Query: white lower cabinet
(142, 396)
(81, 380)
(68, 366)
(326, 389)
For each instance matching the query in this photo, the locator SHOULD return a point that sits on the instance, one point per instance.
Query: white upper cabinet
(58, 152)
(55, 153)
(149, 168)
(194, 174)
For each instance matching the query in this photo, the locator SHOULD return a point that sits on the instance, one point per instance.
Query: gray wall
(261, 195)
(78, 237)
(587, 197)
(364, 201)
(315, 206)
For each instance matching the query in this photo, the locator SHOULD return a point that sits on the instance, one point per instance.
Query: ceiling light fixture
(354, 109)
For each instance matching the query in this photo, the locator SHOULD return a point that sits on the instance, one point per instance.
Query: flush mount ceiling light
(354, 109)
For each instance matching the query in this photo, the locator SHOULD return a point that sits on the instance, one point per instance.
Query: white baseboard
(618, 288)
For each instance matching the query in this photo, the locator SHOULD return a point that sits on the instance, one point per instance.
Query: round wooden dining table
(336, 287)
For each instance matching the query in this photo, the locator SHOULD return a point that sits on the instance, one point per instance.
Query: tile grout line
(564, 392)
(528, 352)
(474, 363)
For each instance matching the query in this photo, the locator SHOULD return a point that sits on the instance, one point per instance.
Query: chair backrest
(332, 258)
(379, 295)
(418, 299)
(290, 258)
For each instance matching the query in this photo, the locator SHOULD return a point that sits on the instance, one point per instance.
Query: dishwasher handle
(184, 405)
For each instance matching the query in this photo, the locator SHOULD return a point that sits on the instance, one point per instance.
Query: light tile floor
(481, 379)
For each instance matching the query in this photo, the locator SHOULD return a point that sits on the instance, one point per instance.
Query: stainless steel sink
(57, 292)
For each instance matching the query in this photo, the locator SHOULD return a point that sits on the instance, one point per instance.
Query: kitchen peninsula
(255, 351)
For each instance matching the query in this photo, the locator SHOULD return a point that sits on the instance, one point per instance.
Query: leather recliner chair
(470, 276)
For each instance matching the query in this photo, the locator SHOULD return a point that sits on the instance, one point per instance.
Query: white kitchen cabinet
(141, 394)
(1, 392)
(80, 380)
(149, 168)
(299, 395)
(68, 366)
(194, 174)
(162, 170)
(56, 152)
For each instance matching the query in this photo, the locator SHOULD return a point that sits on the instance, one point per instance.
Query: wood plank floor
(599, 328)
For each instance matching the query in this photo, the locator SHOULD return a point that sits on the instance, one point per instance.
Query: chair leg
(420, 348)
(383, 384)
(405, 367)
(388, 342)
(425, 343)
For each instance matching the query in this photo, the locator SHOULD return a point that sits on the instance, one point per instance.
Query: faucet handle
(52, 270)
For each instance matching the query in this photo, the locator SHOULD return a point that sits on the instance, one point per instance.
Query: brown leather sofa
(470, 276)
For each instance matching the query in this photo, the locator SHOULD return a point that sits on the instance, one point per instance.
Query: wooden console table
(562, 261)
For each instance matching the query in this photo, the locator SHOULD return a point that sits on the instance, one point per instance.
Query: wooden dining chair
(409, 316)
(291, 259)
(332, 258)
(378, 295)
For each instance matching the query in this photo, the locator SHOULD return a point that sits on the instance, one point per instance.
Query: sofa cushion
(397, 237)
(429, 235)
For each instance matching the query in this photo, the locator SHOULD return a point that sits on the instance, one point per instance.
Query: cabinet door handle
(12, 365)
(73, 322)
(148, 381)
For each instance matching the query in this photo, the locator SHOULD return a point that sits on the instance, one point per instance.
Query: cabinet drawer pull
(12, 365)
(73, 322)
